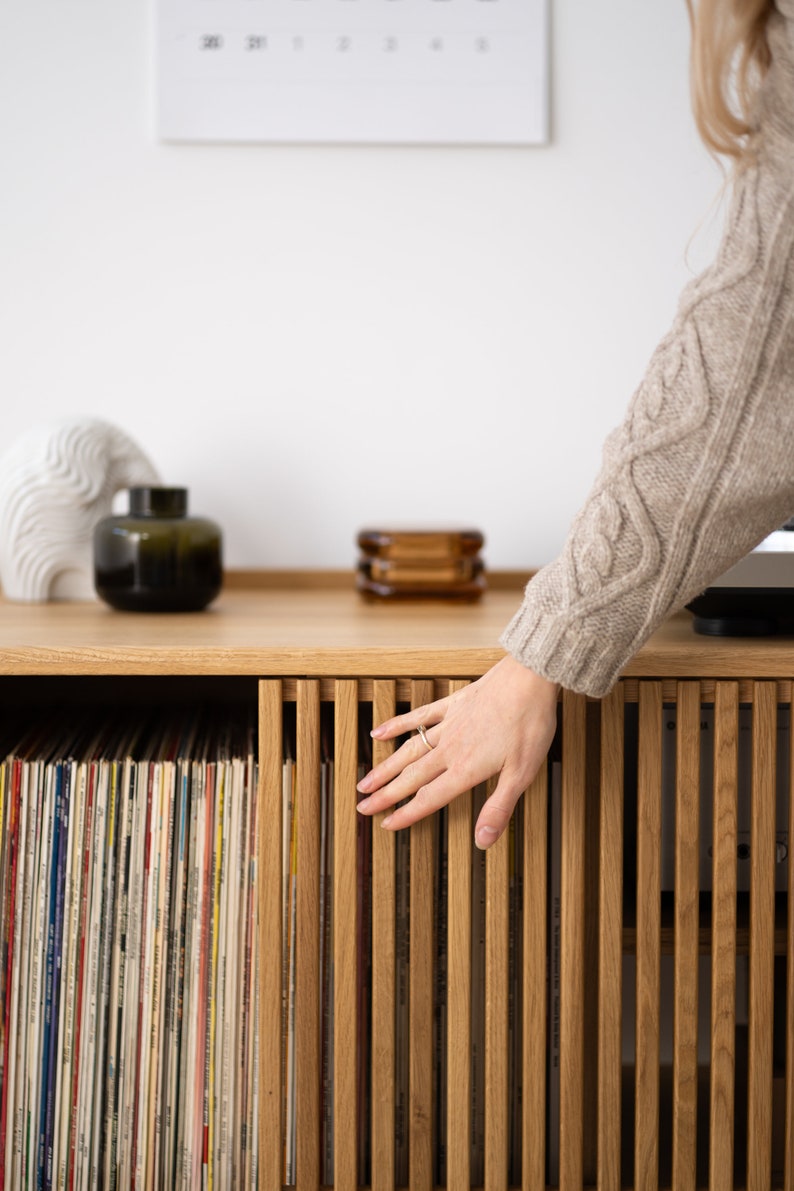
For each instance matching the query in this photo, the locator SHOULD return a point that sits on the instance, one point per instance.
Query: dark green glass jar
(156, 558)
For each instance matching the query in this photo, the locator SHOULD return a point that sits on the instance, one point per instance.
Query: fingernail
(385, 822)
(363, 805)
(377, 732)
(364, 786)
(485, 837)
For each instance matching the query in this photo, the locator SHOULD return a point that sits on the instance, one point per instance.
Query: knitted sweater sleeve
(702, 466)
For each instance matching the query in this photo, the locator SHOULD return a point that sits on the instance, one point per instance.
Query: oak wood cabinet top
(301, 625)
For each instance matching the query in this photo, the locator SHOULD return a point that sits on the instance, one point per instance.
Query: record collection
(128, 998)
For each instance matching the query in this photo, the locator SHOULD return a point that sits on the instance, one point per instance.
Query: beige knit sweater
(702, 467)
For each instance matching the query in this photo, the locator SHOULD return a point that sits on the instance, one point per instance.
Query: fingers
(497, 810)
(428, 799)
(431, 713)
(437, 792)
(404, 763)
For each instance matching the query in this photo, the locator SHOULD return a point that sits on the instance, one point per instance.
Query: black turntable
(755, 597)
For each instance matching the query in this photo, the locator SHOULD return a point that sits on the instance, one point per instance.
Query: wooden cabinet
(643, 1099)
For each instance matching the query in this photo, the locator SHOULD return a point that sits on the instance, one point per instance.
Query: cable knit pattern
(702, 467)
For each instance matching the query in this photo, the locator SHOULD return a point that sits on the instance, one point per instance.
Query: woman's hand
(501, 724)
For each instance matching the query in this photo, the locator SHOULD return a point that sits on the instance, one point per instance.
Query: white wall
(314, 338)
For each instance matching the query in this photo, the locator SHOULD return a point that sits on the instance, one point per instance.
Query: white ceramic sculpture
(56, 483)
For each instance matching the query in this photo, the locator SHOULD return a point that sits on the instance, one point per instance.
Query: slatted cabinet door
(634, 919)
(740, 1141)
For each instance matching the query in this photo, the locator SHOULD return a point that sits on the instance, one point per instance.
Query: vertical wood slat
(686, 935)
(572, 906)
(649, 825)
(420, 1097)
(723, 936)
(459, 861)
(497, 883)
(533, 1096)
(345, 903)
(591, 942)
(269, 934)
(788, 1144)
(307, 969)
(383, 961)
(762, 923)
(610, 959)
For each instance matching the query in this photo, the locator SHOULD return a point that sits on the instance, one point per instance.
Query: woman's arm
(700, 470)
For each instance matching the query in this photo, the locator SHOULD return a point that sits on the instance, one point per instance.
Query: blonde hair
(730, 56)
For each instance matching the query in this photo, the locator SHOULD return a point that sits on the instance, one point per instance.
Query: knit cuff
(565, 649)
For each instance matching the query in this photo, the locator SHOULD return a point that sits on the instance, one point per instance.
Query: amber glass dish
(421, 563)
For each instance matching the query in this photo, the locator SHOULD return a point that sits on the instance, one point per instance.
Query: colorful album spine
(176, 974)
(206, 1000)
(18, 1174)
(217, 980)
(5, 816)
(194, 1054)
(251, 969)
(241, 1139)
(66, 1009)
(187, 1065)
(109, 893)
(10, 1080)
(158, 1061)
(140, 1050)
(52, 1125)
(117, 980)
(82, 933)
(38, 980)
(71, 918)
(132, 979)
(200, 1106)
(160, 1039)
(49, 969)
(231, 1013)
(227, 984)
(88, 1039)
(103, 924)
(8, 932)
(236, 1142)
(210, 1096)
(146, 1024)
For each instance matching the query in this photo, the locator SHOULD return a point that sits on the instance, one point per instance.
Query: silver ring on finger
(422, 732)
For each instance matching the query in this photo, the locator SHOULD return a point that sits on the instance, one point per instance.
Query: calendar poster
(353, 71)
